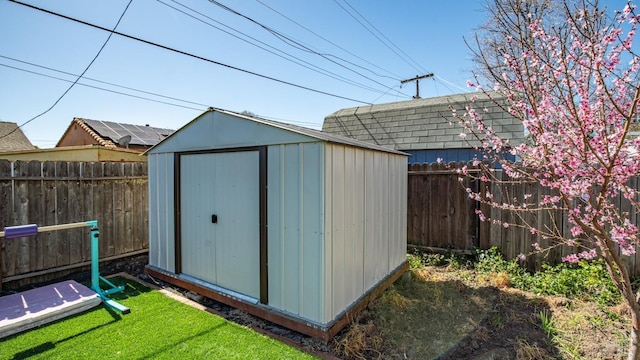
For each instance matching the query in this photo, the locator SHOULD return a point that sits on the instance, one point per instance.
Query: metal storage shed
(291, 224)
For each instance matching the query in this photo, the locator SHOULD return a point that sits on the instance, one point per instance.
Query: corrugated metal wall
(161, 207)
(295, 232)
(365, 222)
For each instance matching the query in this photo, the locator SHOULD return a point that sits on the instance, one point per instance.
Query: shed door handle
(214, 219)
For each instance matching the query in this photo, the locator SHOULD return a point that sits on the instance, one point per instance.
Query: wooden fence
(439, 212)
(52, 193)
(442, 216)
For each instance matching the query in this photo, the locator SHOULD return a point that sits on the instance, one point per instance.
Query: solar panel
(140, 135)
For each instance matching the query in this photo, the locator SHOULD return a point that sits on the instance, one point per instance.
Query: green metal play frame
(33, 229)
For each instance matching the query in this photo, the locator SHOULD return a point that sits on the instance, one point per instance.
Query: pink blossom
(576, 231)
(572, 258)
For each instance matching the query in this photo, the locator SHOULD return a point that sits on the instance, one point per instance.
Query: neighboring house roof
(315, 134)
(420, 123)
(12, 137)
(108, 133)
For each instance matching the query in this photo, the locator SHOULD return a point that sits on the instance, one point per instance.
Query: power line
(315, 68)
(204, 106)
(188, 54)
(445, 82)
(77, 79)
(98, 81)
(381, 33)
(375, 35)
(397, 77)
(103, 89)
(292, 42)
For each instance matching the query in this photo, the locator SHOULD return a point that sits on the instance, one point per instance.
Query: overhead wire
(203, 108)
(395, 76)
(444, 81)
(294, 43)
(104, 89)
(111, 32)
(96, 80)
(378, 37)
(393, 44)
(308, 65)
(148, 42)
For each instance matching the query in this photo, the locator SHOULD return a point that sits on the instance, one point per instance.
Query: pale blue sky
(429, 33)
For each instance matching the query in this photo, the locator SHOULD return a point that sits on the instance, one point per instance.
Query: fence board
(75, 209)
(128, 220)
(36, 208)
(21, 215)
(63, 245)
(5, 200)
(87, 187)
(49, 239)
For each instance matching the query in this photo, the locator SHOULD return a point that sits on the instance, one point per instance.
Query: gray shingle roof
(12, 138)
(420, 123)
(140, 135)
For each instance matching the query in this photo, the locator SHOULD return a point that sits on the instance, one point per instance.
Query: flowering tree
(568, 72)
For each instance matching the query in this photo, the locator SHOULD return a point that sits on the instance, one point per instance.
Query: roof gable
(225, 129)
(12, 138)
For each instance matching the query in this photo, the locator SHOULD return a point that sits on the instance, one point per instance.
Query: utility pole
(417, 80)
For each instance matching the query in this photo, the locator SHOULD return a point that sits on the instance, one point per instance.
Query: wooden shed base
(266, 313)
(36, 307)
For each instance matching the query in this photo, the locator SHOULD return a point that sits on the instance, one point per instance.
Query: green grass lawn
(158, 327)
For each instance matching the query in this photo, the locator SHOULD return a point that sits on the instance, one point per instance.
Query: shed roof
(312, 133)
(12, 137)
(421, 123)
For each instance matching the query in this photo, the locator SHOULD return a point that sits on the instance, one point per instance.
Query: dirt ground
(440, 314)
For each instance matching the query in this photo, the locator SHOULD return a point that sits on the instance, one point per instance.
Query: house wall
(295, 231)
(76, 136)
(447, 155)
(74, 153)
(365, 222)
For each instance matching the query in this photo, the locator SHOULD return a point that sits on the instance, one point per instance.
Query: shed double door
(220, 219)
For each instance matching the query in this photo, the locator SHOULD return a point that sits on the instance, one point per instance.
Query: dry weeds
(443, 314)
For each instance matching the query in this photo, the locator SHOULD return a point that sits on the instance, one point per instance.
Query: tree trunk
(634, 337)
